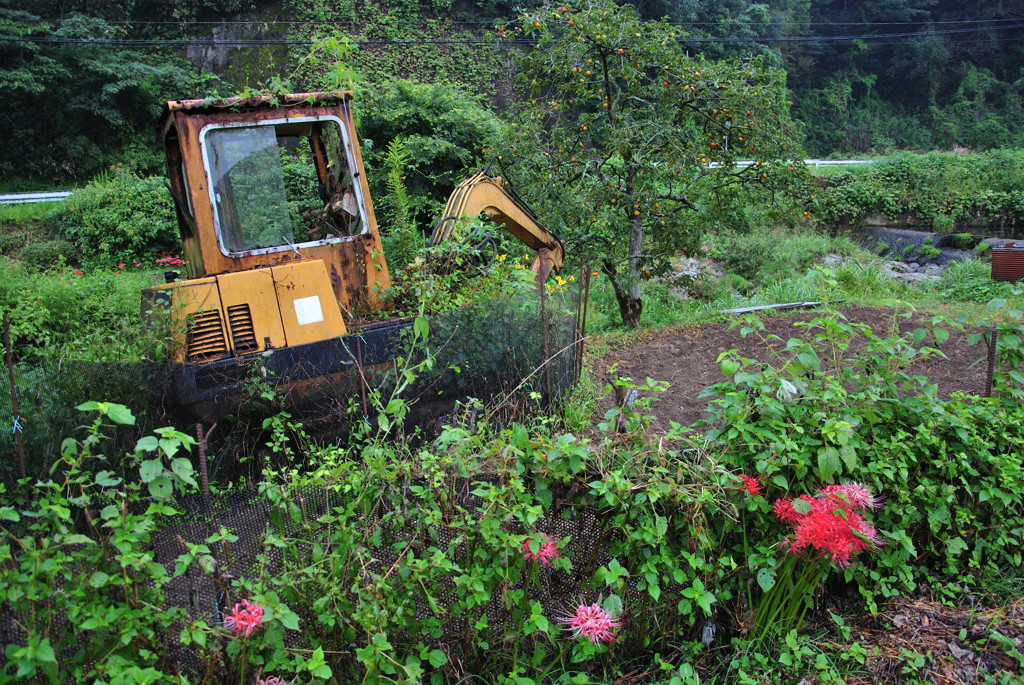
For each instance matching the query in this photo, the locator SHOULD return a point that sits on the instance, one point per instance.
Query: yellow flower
(502, 257)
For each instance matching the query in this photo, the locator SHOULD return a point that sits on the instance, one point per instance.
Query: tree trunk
(627, 289)
(630, 307)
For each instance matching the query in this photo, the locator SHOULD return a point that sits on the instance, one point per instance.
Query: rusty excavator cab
(281, 245)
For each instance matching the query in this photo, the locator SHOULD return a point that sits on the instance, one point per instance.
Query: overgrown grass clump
(92, 315)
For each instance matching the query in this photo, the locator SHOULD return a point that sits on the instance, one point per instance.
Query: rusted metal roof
(256, 102)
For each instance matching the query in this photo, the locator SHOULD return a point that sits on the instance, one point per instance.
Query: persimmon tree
(620, 137)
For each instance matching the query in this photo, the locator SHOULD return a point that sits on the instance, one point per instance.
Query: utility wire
(411, 22)
(256, 42)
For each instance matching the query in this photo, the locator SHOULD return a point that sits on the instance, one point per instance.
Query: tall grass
(29, 211)
(94, 316)
(970, 281)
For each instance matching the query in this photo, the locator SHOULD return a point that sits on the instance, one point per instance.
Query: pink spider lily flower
(856, 494)
(593, 623)
(547, 551)
(276, 680)
(244, 618)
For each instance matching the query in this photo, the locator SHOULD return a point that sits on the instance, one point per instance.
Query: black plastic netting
(514, 353)
(203, 592)
(497, 349)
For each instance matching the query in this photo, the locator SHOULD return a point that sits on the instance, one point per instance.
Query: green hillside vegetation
(84, 82)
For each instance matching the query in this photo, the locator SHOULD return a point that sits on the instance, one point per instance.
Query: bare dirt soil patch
(922, 640)
(686, 357)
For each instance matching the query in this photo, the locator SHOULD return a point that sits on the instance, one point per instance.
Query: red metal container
(1008, 261)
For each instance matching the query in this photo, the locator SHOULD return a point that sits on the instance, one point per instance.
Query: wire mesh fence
(523, 351)
(514, 354)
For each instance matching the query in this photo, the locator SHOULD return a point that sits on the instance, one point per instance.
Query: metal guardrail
(58, 195)
(43, 196)
(816, 163)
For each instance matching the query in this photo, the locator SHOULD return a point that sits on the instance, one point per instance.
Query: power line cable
(257, 42)
(492, 22)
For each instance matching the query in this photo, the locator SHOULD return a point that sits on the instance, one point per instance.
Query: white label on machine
(307, 310)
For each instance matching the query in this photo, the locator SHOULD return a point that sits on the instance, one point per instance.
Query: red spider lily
(784, 511)
(750, 484)
(547, 551)
(831, 523)
(244, 619)
(78, 273)
(170, 260)
(593, 623)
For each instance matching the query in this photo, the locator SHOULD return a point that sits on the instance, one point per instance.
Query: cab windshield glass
(281, 185)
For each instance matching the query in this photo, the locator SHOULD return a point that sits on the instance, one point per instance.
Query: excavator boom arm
(487, 194)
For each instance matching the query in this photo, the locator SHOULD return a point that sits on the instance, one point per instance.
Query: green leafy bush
(443, 130)
(825, 410)
(121, 219)
(48, 254)
(945, 190)
(11, 243)
(119, 617)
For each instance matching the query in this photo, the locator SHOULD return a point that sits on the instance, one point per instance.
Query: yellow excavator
(281, 245)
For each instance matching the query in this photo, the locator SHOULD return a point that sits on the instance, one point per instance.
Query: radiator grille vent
(243, 335)
(206, 336)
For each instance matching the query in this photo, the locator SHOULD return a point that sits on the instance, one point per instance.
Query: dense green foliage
(442, 130)
(88, 315)
(120, 219)
(77, 103)
(828, 408)
(82, 96)
(84, 82)
(678, 540)
(943, 191)
(436, 42)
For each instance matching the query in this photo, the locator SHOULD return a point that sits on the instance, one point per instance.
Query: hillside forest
(84, 80)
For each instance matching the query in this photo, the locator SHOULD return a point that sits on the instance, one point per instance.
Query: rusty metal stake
(362, 378)
(14, 393)
(993, 338)
(204, 477)
(581, 319)
(544, 331)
